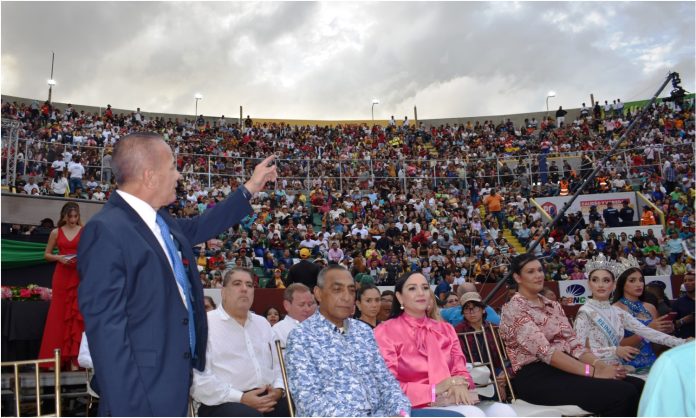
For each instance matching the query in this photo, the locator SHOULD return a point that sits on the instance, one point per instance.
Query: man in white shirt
(30, 186)
(76, 172)
(98, 194)
(299, 303)
(309, 243)
(58, 166)
(242, 375)
(359, 231)
(401, 223)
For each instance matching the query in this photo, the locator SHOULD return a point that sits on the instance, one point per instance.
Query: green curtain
(21, 254)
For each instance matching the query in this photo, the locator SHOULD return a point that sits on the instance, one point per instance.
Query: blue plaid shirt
(670, 174)
(334, 373)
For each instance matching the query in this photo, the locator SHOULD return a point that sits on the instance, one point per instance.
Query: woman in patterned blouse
(551, 365)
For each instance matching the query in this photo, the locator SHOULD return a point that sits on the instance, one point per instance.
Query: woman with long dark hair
(425, 356)
(630, 296)
(552, 365)
(368, 304)
(602, 325)
(64, 324)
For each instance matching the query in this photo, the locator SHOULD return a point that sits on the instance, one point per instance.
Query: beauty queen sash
(605, 325)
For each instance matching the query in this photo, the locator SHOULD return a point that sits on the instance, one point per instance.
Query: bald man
(139, 293)
(454, 315)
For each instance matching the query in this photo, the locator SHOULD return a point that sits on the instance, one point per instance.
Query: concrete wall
(518, 119)
(30, 210)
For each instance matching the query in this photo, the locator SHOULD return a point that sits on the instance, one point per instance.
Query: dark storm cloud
(328, 60)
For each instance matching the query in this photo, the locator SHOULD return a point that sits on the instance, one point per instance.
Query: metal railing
(300, 175)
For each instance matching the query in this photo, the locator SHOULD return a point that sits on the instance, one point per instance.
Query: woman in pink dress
(425, 356)
(64, 324)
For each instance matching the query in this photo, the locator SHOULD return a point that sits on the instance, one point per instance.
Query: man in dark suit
(305, 271)
(140, 294)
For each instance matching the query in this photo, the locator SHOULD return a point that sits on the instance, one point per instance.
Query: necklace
(637, 309)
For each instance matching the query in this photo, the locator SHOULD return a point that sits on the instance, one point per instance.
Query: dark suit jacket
(304, 272)
(135, 320)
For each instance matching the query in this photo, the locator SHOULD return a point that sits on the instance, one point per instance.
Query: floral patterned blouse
(533, 333)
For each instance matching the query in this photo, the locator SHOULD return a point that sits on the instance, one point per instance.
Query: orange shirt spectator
(493, 202)
(647, 218)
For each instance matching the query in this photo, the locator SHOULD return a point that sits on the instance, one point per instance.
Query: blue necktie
(181, 278)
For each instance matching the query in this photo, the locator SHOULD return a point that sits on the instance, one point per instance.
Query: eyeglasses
(472, 309)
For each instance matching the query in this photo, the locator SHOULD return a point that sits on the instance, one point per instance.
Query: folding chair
(478, 354)
(524, 408)
(93, 396)
(281, 360)
(18, 378)
(193, 407)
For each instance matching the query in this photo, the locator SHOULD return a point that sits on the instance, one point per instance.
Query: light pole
(374, 102)
(549, 94)
(198, 97)
(51, 81)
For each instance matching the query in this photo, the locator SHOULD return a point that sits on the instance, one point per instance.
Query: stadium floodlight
(549, 94)
(374, 102)
(51, 81)
(197, 97)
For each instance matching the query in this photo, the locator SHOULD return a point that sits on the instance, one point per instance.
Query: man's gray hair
(294, 288)
(132, 154)
(465, 287)
(322, 274)
(229, 273)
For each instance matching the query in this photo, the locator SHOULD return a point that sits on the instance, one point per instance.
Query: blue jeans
(673, 257)
(500, 217)
(75, 183)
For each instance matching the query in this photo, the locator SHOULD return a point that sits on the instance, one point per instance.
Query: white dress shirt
(84, 358)
(282, 328)
(238, 359)
(149, 216)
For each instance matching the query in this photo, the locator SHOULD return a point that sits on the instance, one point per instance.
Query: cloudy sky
(329, 60)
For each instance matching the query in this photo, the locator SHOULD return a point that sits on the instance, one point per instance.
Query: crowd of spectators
(387, 199)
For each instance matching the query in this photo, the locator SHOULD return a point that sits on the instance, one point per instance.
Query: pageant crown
(601, 262)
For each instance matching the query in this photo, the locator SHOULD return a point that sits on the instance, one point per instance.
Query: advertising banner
(631, 230)
(575, 290)
(554, 204)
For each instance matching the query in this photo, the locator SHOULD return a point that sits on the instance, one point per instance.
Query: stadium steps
(512, 240)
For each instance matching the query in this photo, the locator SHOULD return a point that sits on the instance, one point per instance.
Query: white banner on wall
(631, 230)
(577, 290)
(552, 205)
